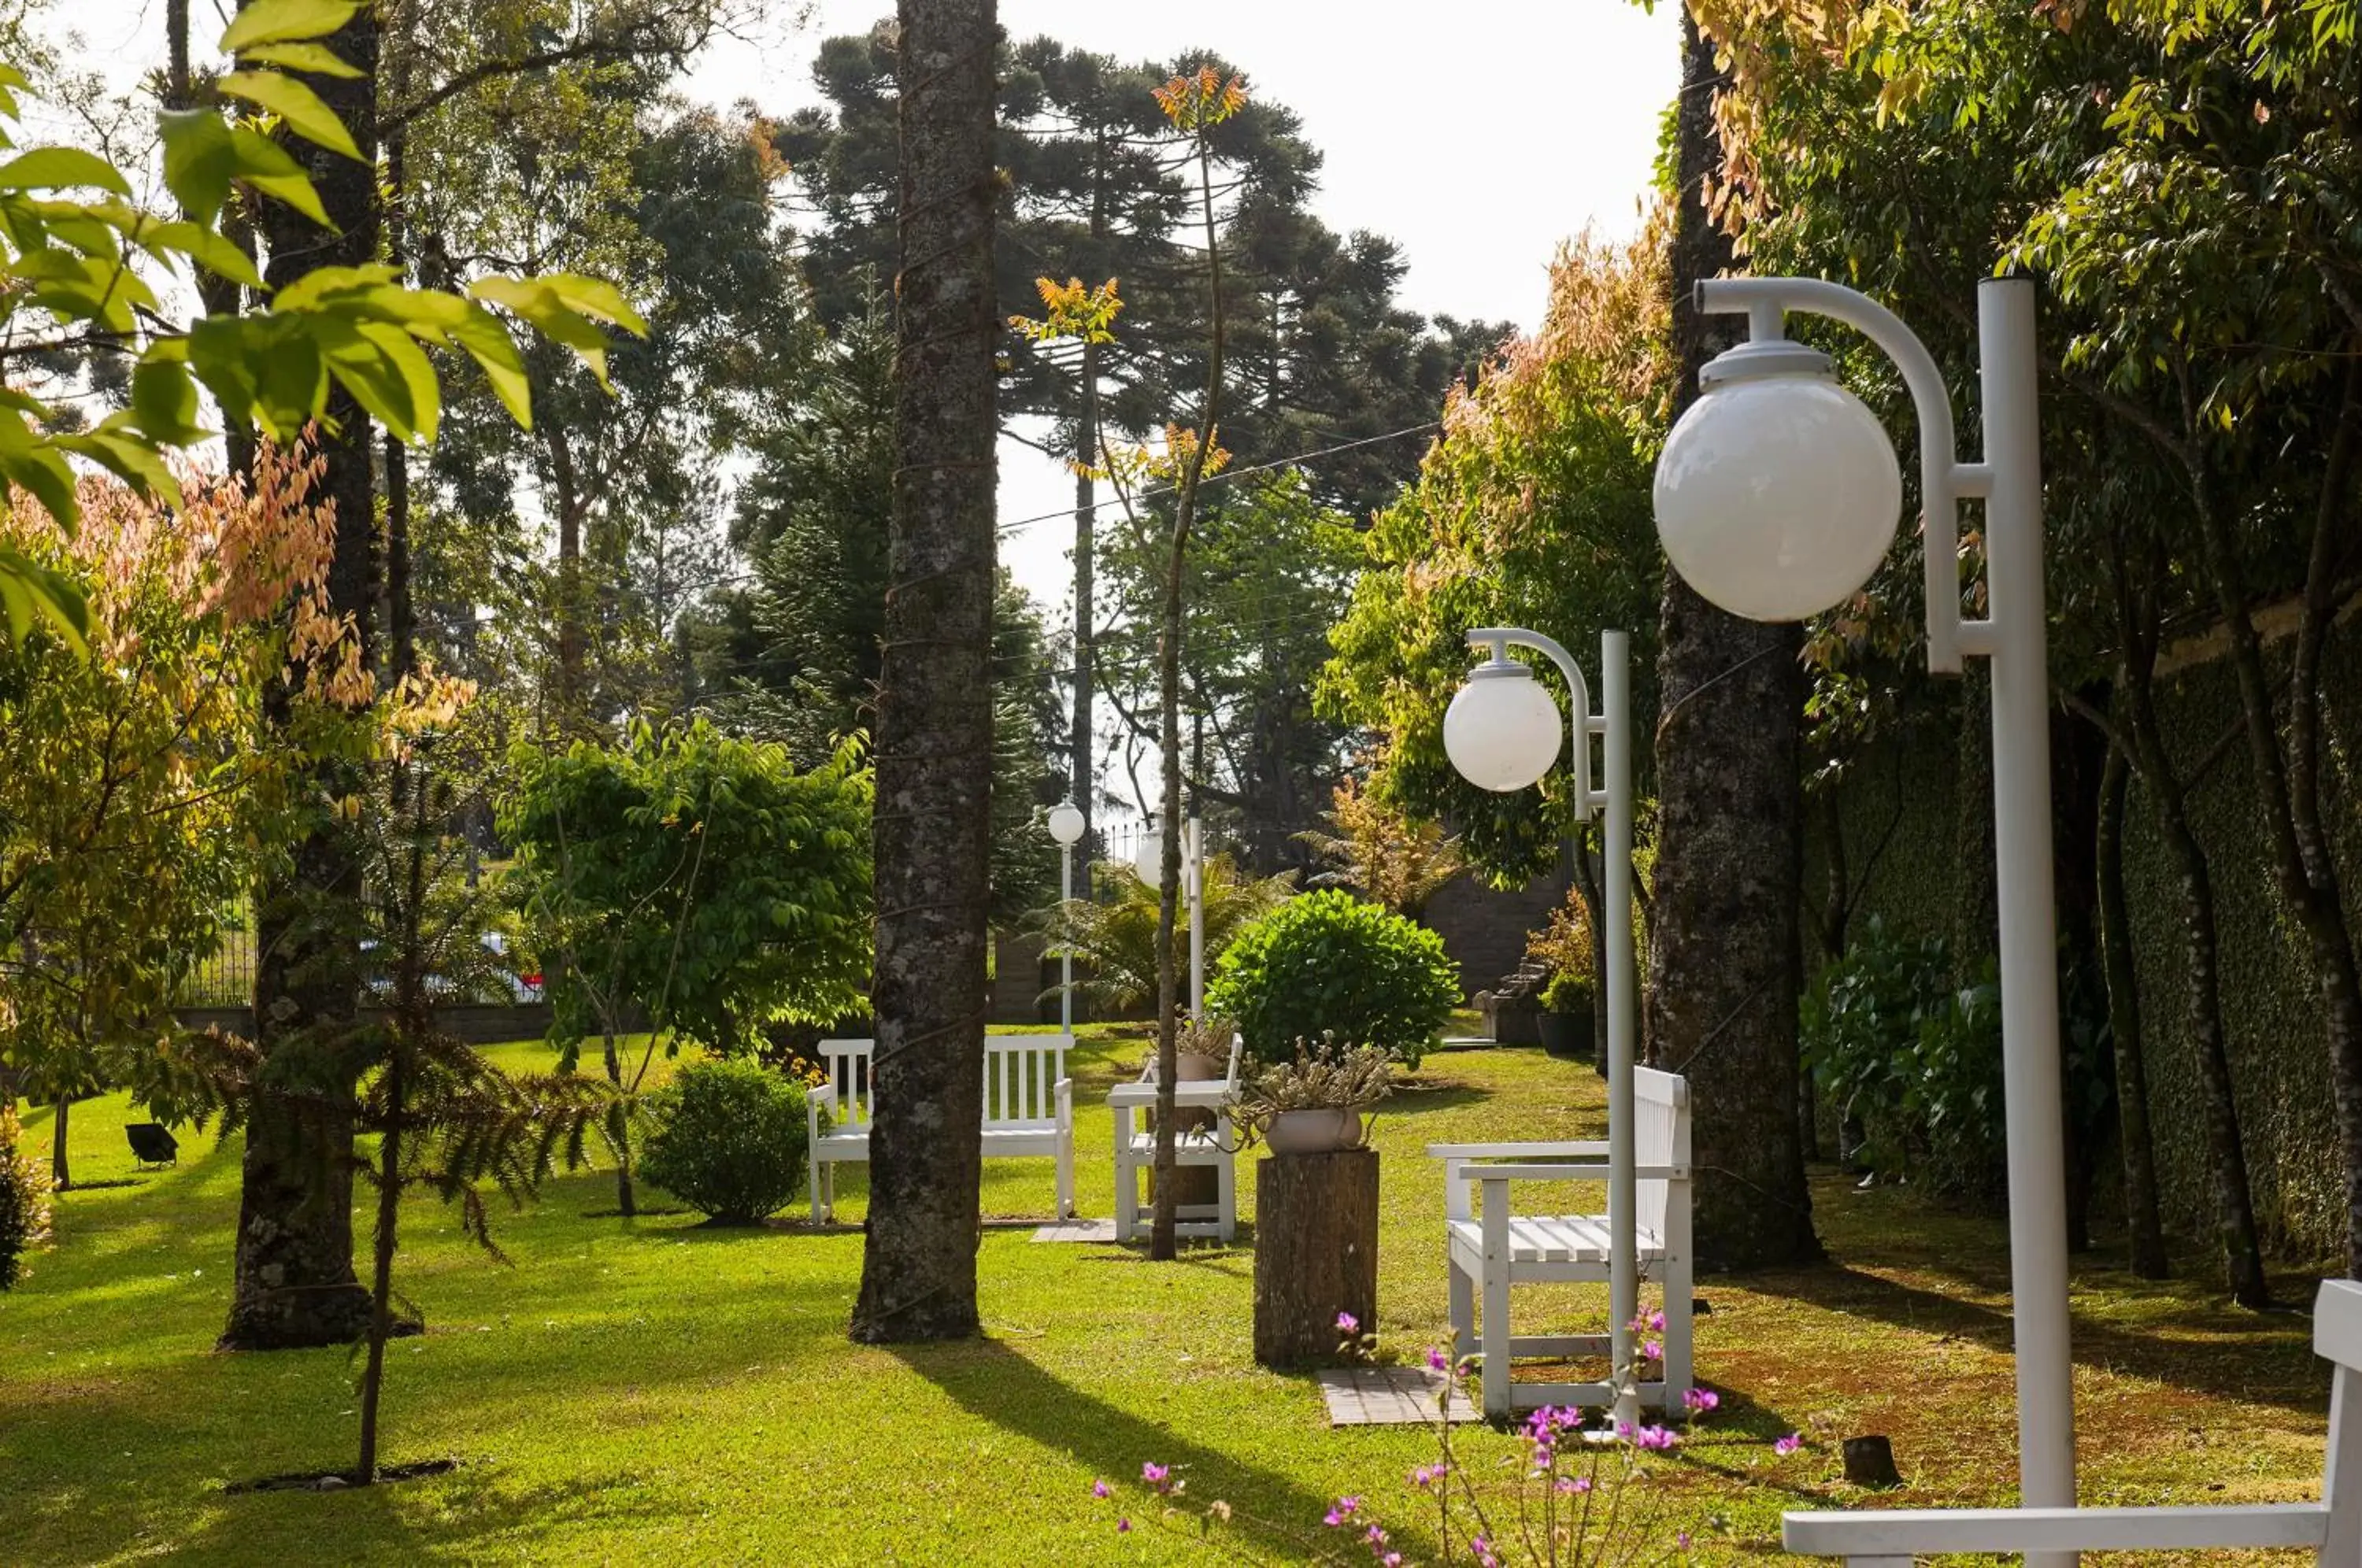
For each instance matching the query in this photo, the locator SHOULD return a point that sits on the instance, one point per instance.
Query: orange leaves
(1194, 104)
(1071, 311)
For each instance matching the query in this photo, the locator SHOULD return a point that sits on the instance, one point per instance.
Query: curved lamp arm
(1498, 641)
(1944, 480)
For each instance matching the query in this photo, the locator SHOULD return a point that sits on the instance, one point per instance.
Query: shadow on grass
(2245, 1357)
(989, 1380)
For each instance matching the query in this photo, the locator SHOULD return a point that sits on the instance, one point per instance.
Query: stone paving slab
(1099, 1231)
(1387, 1397)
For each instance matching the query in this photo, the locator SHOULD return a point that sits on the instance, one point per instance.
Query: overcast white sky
(1478, 133)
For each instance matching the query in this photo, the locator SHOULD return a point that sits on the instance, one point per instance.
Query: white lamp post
(1503, 732)
(1065, 824)
(1776, 494)
(1148, 864)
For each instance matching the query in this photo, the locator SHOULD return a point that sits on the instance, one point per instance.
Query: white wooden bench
(1135, 1152)
(2332, 1528)
(1028, 1110)
(1491, 1250)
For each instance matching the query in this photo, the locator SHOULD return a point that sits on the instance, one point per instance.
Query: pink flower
(1344, 1509)
(1574, 1485)
(1426, 1475)
(1374, 1536)
(1657, 1321)
(1156, 1475)
(1653, 1438)
(1653, 1350)
(1099, 1489)
(1348, 1324)
(1789, 1444)
(1123, 1527)
(1700, 1399)
(1435, 1361)
(1682, 1539)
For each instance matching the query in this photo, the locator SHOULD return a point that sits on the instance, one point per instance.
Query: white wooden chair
(1028, 1110)
(2332, 1527)
(1135, 1152)
(1491, 1250)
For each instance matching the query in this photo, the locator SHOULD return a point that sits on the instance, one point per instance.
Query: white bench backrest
(848, 1063)
(1020, 1078)
(1661, 1136)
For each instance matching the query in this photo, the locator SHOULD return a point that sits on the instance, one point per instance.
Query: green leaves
(568, 309)
(285, 21)
(294, 104)
(32, 594)
(58, 168)
(203, 154)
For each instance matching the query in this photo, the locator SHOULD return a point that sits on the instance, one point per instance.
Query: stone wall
(1485, 932)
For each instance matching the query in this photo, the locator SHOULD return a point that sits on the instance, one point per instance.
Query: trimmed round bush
(729, 1139)
(1328, 963)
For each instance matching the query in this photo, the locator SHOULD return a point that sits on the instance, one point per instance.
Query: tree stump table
(1316, 1252)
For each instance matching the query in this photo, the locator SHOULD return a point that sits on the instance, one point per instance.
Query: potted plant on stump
(1316, 1197)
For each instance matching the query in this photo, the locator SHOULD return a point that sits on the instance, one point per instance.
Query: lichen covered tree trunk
(2139, 1152)
(296, 1284)
(1724, 913)
(935, 705)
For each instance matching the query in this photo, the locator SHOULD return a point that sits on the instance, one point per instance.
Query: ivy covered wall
(1918, 795)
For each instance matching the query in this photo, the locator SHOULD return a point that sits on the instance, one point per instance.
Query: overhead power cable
(1230, 474)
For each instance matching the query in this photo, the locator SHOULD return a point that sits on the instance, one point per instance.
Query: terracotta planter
(1313, 1131)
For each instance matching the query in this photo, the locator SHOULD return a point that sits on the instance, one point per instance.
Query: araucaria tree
(933, 819)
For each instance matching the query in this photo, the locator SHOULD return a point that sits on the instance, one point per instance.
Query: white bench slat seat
(1490, 1250)
(1028, 1111)
(1134, 1105)
(2332, 1528)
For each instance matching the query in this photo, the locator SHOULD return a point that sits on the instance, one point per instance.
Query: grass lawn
(654, 1391)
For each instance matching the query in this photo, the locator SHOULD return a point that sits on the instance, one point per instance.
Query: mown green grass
(653, 1390)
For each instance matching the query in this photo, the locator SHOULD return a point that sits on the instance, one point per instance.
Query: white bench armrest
(822, 1098)
(1200, 1093)
(1555, 1172)
(1903, 1533)
(1591, 1149)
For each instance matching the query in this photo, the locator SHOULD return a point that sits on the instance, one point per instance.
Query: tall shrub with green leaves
(1328, 964)
(23, 1200)
(693, 884)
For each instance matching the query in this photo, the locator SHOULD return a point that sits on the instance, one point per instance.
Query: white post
(2022, 854)
(1065, 952)
(1623, 1188)
(1194, 874)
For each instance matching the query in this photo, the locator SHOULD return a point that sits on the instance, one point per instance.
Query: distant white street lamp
(1066, 824)
(1776, 495)
(1503, 732)
(1148, 864)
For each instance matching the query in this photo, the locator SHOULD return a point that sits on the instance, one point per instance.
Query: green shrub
(24, 1201)
(1329, 965)
(729, 1139)
(1567, 992)
(1912, 1063)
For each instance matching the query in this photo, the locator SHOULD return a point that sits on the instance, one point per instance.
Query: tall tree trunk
(2234, 1214)
(294, 1284)
(2147, 1232)
(1082, 782)
(60, 1162)
(573, 634)
(935, 705)
(1723, 953)
(619, 1130)
(2303, 864)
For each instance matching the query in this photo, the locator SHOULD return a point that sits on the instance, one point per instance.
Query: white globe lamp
(1778, 492)
(1066, 822)
(1148, 861)
(1503, 730)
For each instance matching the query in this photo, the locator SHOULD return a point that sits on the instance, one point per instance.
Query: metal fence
(226, 978)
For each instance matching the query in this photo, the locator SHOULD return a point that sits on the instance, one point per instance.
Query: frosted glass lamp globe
(1777, 495)
(1503, 730)
(1066, 822)
(1148, 861)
